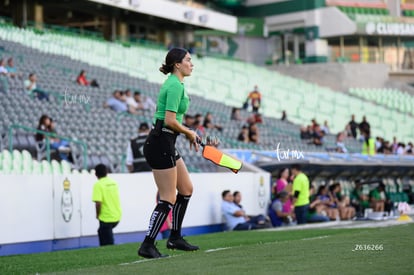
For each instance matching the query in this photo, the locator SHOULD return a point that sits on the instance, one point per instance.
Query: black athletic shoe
(149, 251)
(181, 244)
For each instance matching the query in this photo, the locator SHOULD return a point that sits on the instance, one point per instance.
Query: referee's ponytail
(174, 56)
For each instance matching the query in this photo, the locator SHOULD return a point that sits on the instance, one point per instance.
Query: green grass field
(310, 251)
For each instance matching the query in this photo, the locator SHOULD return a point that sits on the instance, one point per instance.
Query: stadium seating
(56, 58)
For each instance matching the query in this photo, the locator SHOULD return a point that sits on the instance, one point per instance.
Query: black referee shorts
(160, 151)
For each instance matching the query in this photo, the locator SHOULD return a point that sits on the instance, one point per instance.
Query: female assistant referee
(169, 170)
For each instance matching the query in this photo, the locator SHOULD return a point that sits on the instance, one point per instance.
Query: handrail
(48, 135)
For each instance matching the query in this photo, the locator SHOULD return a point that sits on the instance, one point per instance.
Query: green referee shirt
(172, 97)
(301, 184)
(106, 192)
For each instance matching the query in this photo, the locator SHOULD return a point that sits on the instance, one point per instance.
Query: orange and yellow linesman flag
(218, 157)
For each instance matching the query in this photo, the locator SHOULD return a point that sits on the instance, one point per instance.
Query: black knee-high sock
(158, 217)
(178, 213)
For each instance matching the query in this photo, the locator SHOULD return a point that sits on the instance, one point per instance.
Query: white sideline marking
(147, 260)
(315, 238)
(217, 249)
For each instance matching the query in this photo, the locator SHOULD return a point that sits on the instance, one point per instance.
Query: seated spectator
(253, 133)
(189, 121)
(130, 101)
(385, 148)
(31, 88)
(348, 131)
(46, 124)
(359, 200)
(340, 146)
(244, 134)
(317, 135)
(4, 83)
(11, 69)
(325, 128)
(314, 214)
(400, 148)
(82, 80)
(201, 131)
(282, 184)
(258, 118)
(409, 148)
(346, 211)
(278, 215)
(237, 200)
(235, 217)
(326, 206)
(305, 132)
(3, 69)
(117, 103)
(209, 124)
(144, 102)
(235, 114)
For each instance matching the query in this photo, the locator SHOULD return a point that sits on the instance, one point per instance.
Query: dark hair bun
(166, 69)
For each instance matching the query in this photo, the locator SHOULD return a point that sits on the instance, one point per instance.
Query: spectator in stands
(317, 135)
(284, 116)
(282, 184)
(325, 128)
(300, 194)
(237, 197)
(209, 124)
(359, 200)
(314, 212)
(3, 69)
(255, 98)
(130, 101)
(46, 124)
(135, 159)
(400, 148)
(409, 148)
(11, 69)
(198, 126)
(385, 148)
(83, 81)
(394, 145)
(368, 145)
(326, 205)
(353, 125)
(105, 195)
(235, 217)
(278, 214)
(244, 134)
(4, 83)
(144, 102)
(31, 88)
(117, 103)
(346, 211)
(364, 126)
(253, 133)
(378, 143)
(189, 121)
(340, 145)
(306, 132)
(235, 114)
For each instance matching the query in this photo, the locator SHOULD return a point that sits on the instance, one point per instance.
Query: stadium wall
(42, 213)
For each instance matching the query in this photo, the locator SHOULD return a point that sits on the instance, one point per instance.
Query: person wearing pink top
(283, 185)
